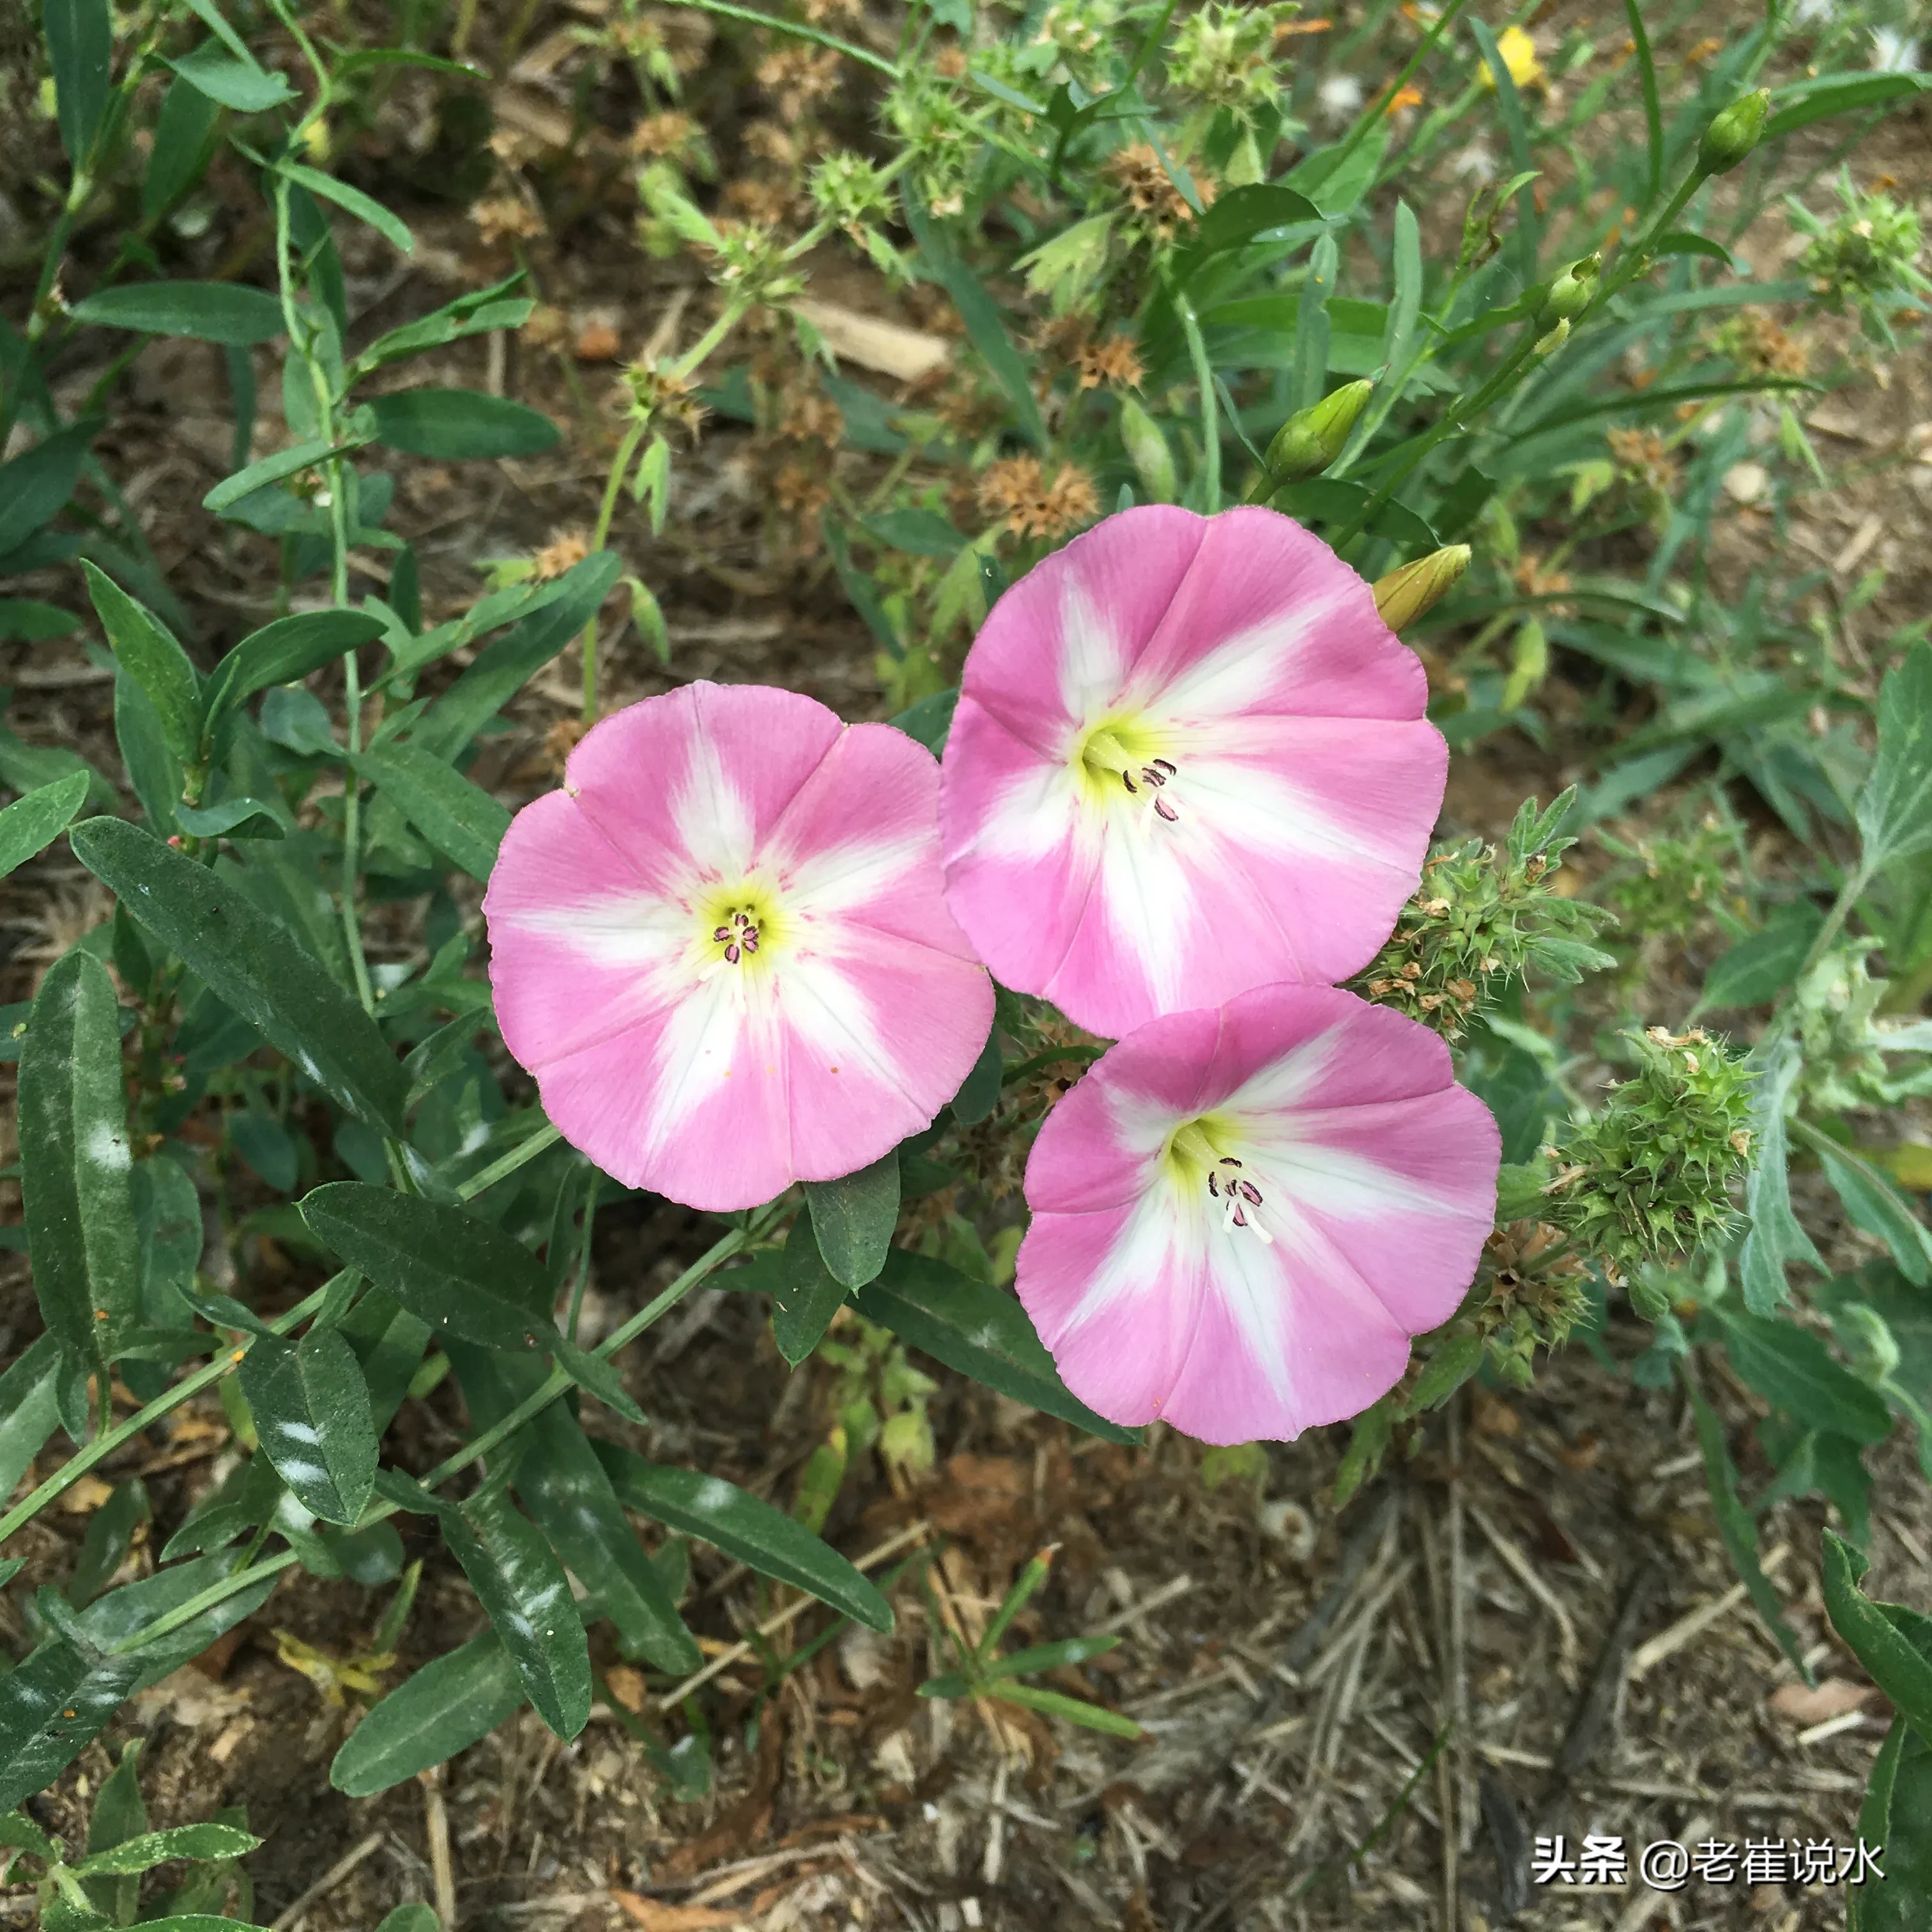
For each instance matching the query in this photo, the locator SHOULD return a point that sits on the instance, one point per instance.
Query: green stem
(1210, 407)
(620, 466)
(799, 31)
(524, 1151)
(77, 1466)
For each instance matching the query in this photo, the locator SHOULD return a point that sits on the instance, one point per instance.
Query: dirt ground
(1543, 1581)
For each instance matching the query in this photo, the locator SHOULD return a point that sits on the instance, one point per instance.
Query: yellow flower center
(1121, 759)
(739, 925)
(1199, 1160)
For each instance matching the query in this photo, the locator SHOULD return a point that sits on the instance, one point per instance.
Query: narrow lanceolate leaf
(76, 1165)
(1895, 808)
(352, 201)
(142, 1853)
(147, 649)
(526, 1597)
(1795, 1371)
(52, 1706)
(231, 313)
(452, 425)
(1775, 1237)
(34, 485)
(311, 1410)
(252, 965)
(504, 666)
(1896, 1663)
(980, 1330)
(455, 816)
(764, 1538)
(300, 456)
(31, 824)
(1897, 1815)
(283, 652)
(29, 1408)
(80, 50)
(468, 1280)
(853, 1219)
(446, 1707)
(565, 1488)
(1877, 1207)
(807, 1296)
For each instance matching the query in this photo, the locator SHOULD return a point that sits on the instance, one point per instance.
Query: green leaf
(351, 201)
(80, 50)
(979, 1092)
(1794, 1370)
(185, 132)
(283, 653)
(26, 620)
(929, 720)
(986, 328)
(1806, 102)
(979, 1330)
(231, 313)
(446, 1707)
(19, 1833)
(526, 1597)
(1738, 1529)
(35, 485)
(456, 817)
(1897, 1664)
(29, 1408)
(1238, 216)
(853, 1219)
(147, 650)
(231, 490)
(472, 314)
(1680, 241)
(1653, 109)
(565, 1488)
(1074, 1710)
(110, 1535)
(918, 533)
(1895, 807)
(1876, 1205)
(1458, 1358)
(450, 1268)
(154, 1848)
(1073, 1650)
(505, 666)
(76, 1163)
(1333, 500)
(741, 1526)
(31, 824)
(414, 1916)
(807, 1296)
(1897, 1816)
(243, 85)
(311, 1411)
(455, 424)
(1775, 1237)
(52, 1705)
(253, 964)
(1760, 966)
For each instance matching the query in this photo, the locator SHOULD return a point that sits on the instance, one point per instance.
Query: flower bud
(1310, 439)
(1403, 596)
(1570, 294)
(1734, 134)
(1148, 451)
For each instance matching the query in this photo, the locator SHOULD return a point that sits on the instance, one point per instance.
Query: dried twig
(329, 1880)
(436, 1821)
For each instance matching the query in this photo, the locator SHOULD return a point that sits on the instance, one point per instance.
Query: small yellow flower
(1519, 53)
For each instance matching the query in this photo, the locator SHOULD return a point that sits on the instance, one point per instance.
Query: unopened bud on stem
(1309, 440)
(1404, 595)
(1570, 294)
(1734, 134)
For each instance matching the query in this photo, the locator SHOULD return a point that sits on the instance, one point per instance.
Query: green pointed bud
(1734, 134)
(1309, 440)
(1403, 596)
(1570, 294)
(1147, 450)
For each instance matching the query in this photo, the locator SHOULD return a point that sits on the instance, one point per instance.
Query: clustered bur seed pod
(1482, 918)
(1539, 1290)
(1650, 1178)
(1732, 134)
(1310, 440)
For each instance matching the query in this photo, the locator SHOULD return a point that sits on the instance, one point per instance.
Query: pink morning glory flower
(1241, 1216)
(722, 949)
(1188, 758)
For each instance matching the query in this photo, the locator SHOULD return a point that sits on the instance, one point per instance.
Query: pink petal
(718, 1082)
(1376, 1176)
